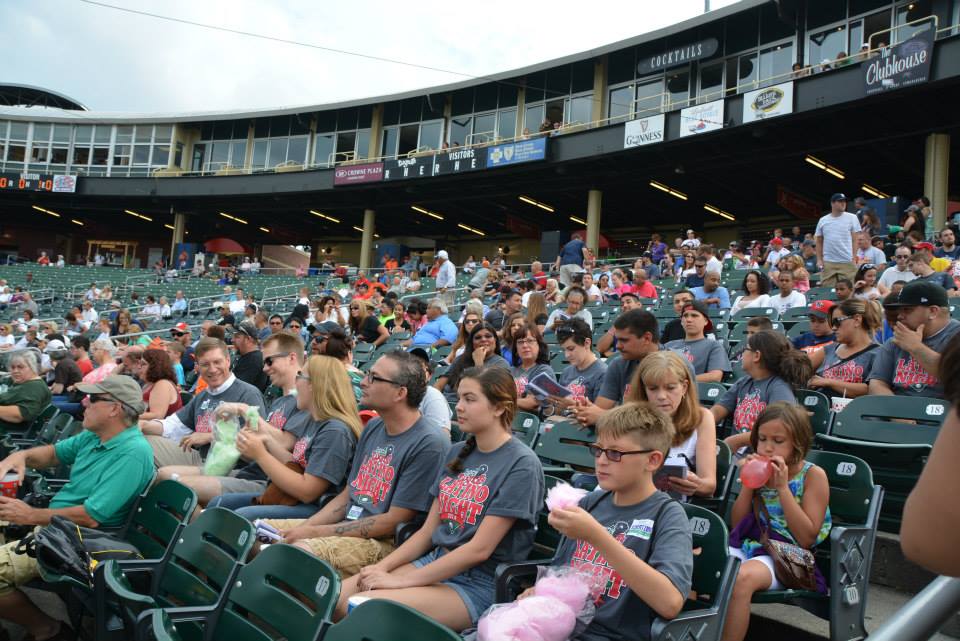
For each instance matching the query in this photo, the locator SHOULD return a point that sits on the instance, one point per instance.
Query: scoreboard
(59, 183)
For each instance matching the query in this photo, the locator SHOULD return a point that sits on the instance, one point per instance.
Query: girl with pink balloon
(797, 497)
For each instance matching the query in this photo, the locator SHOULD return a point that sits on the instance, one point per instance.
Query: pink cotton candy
(504, 623)
(548, 618)
(570, 589)
(563, 495)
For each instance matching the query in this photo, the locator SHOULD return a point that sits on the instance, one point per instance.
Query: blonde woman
(663, 380)
(320, 438)
(801, 277)
(537, 310)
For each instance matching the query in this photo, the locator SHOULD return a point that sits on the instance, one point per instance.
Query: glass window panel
(61, 133)
(346, 143)
(408, 139)
(102, 133)
(430, 133)
(18, 130)
(278, 152)
(825, 45)
(649, 97)
(775, 64)
(558, 81)
(507, 125)
(206, 130)
(39, 154)
(259, 154)
(261, 128)
(910, 13)
(83, 133)
(535, 83)
(581, 76)
(365, 116)
(3, 150)
(347, 119)
(41, 132)
(747, 72)
(508, 93)
(326, 121)
(100, 155)
(81, 155)
(238, 153)
(484, 127)
(3, 129)
(555, 111)
(619, 104)
(711, 82)
(141, 155)
(323, 147)
(58, 155)
(581, 109)
(178, 155)
(875, 24)
(743, 31)
(121, 161)
(297, 150)
(678, 87)
(772, 28)
(460, 129)
(462, 101)
(410, 109)
(821, 13)
(621, 66)
(162, 133)
(124, 133)
(363, 143)
(391, 113)
(299, 126)
(485, 97)
(280, 126)
(161, 155)
(856, 37)
(862, 6)
(144, 133)
(219, 154)
(196, 163)
(17, 153)
(391, 137)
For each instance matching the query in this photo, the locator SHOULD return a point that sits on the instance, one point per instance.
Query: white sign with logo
(701, 118)
(769, 102)
(643, 131)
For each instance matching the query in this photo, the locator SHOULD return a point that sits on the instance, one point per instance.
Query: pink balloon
(755, 473)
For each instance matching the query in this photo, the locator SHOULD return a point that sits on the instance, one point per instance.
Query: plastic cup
(354, 601)
(9, 485)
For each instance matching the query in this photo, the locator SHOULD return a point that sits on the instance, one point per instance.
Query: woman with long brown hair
(364, 326)
(537, 311)
(843, 368)
(160, 391)
(482, 351)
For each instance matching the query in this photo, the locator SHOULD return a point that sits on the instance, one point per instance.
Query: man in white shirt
(446, 277)
(777, 251)
(89, 315)
(179, 306)
(836, 238)
(593, 292)
(787, 299)
(691, 242)
(901, 271)
(93, 293)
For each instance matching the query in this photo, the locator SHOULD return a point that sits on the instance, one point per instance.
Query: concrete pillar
(179, 227)
(521, 108)
(936, 176)
(594, 197)
(366, 242)
(376, 135)
(599, 111)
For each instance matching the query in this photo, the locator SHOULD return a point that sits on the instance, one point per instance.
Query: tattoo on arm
(361, 528)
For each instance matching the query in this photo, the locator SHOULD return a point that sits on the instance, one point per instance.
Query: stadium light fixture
(324, 216)
(140, 216)
(46, 211)
(830, 169)
(816, 162)
(833, 171)
(471, 229)
(265, 230)
(76, 222)
(531, 201)
(359, 229)
(427, 212)
(873, 191)
(719, 212)
(170, 227)
(578, 220)
(668, 190)
(231, 217)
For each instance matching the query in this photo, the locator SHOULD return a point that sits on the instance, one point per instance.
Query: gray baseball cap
(121, 388)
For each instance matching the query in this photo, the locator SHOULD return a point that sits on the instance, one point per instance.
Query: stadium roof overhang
(743, 170)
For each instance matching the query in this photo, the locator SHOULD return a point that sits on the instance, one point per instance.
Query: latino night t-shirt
(747, 398)
(904, 374)
(585, 384)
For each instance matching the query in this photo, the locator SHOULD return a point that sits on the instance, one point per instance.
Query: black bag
(65, 548)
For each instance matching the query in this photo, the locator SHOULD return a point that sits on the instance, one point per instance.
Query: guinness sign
(678, 56)
(643, 131)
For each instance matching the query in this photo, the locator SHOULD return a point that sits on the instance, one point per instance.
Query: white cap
(443, 254)
(56, 345)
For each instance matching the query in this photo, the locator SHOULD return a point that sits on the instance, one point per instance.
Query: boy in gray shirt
(708, 358)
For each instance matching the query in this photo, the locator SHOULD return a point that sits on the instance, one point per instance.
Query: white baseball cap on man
(442, 254)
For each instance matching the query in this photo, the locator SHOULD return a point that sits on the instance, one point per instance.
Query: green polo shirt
(106, 478)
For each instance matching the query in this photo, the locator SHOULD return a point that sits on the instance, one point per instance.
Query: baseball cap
(923, 247)
(919, 292)
(838, 196)
(248, 328)
(421, 353)
(56, 345)
(821, 309)
(776, 241)
(698, 306)
(809, 243)
(443, 254)
(180, 328)
(122, 388)
(326, 327)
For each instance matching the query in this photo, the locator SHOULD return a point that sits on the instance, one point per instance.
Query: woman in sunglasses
(843, 368)
(470, 320)
(364, 326)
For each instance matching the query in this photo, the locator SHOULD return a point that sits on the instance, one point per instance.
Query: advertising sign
(701, 118)
(769, 102)
(38, 182)
(354, 174)
(901, 65)
(400, 168)
(678, 56)
(458, 161)
(643, 131)
(516, 152)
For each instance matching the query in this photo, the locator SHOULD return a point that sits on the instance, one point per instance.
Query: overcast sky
(116, 61)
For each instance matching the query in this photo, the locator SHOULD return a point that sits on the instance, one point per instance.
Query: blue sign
(517, 152)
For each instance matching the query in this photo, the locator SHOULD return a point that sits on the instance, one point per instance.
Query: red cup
(9, 485)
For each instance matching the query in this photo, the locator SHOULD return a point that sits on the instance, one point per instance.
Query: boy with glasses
(652, 576)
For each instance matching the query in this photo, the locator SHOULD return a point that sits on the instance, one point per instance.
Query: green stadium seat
(799, 327)
(382, 620)
(563, 448)
(708, 393)
(817, 405)
(526, 427)
(718, 502)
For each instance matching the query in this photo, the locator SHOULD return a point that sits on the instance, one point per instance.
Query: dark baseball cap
(326, 327)
(699, 307)
(420, 353)
(249, 329)
(838, 196)
(919, 292)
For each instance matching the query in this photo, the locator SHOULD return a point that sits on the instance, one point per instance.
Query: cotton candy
(569, 589)
(563, 495)
(548, 618)
(223, 453)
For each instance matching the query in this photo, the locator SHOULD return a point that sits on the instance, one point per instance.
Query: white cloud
(117, 61)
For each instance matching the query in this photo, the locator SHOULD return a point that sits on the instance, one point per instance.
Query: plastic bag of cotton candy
(562, 603)
(223, 454)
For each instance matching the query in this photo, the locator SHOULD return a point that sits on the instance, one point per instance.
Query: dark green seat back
(817, 405)
(710, 535)
(708, 393)
(885, 419)
(382, 620)
(851, 485)
(566, 443)
(525, 427)
(158, 517)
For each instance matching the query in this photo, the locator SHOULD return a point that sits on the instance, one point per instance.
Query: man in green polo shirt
(112, 463)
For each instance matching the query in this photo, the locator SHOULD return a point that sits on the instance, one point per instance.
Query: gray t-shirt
(395, 470)
(656, 530)
(616, 382)
(200, 413)
(704, 354)
(837, 240)
(746, 398)
(852, 370)
(584, 383)
(283, 415)
(523, 376)
(904, 374)
(324, 449)
(506, 482)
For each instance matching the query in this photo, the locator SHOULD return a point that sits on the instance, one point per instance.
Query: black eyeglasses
(292, 326)
(320, 339)
(268, 360)
(614, 456)
(839, 319)
(370, 376)
(96, 398)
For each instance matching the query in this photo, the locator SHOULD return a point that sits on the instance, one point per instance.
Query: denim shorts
(475, 587)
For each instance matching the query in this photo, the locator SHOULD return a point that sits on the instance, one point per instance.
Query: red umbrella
(224, 246)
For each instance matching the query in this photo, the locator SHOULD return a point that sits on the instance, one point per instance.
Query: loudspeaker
(550, 244)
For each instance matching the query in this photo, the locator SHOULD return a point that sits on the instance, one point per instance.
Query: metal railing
(924, 614)
(278, 293)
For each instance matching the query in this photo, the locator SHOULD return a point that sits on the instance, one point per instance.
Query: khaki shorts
(835, 271)
(347, 554)
(567, 272)
(168, 452)
(15, 569)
